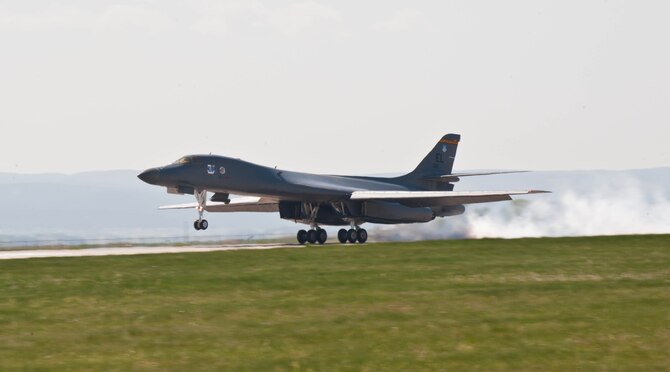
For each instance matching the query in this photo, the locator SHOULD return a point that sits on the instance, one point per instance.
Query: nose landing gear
(200, 223)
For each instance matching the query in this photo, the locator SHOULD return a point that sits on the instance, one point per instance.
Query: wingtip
(539, 192)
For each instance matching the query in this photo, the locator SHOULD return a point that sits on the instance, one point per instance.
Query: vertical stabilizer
(440, 160)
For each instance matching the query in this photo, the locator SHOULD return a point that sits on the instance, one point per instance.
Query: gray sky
(334, 87)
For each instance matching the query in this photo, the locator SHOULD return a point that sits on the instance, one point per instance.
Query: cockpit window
(189, 159)
(184, 160)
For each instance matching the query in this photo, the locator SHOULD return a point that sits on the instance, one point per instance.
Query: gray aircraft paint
(244, 178)
(295, 194)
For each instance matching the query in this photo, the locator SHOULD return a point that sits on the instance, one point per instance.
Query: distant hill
(108, 204)
(116, 205)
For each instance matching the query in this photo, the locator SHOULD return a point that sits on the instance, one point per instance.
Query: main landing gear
(315, 235)
(352, 235)
(319, 235)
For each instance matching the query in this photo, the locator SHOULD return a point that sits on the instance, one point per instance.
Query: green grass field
(529, 304)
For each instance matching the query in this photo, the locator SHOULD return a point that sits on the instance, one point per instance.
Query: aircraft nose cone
(150, 175)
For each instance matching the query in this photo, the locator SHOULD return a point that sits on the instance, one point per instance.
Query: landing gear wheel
(302, 236)
(312, 236)
(362, 236)
(342, 236)
(321, 236)
(200, 224)
(352, 235)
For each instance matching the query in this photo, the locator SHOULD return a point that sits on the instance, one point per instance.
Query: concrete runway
(122, 251)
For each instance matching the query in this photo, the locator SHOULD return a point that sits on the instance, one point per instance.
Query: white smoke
(627, 207)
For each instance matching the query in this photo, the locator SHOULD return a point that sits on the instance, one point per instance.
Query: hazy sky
(334, 87)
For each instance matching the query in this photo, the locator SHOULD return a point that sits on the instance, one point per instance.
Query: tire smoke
(623, 207)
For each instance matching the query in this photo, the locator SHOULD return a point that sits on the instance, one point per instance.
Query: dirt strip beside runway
(121, 251)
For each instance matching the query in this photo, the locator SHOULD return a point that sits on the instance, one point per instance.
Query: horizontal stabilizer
(454, 177)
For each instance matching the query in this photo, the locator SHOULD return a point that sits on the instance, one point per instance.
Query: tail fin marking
(440, 161)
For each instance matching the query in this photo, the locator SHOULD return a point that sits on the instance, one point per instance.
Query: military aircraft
(315, 200)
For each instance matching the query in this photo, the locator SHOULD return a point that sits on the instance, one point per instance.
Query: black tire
(204, 225)
(322, 236)
(352, 235)
(342, 236)
(312, 236)
(362, 236)
(196, 225)
(302, 236)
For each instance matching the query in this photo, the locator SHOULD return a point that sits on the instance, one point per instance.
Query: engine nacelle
(385, 212)
(449, 210)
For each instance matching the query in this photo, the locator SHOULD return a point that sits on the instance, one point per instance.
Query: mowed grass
(530, 304)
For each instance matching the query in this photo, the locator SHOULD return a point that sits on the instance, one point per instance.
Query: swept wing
(241, 204)
(439, 198)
